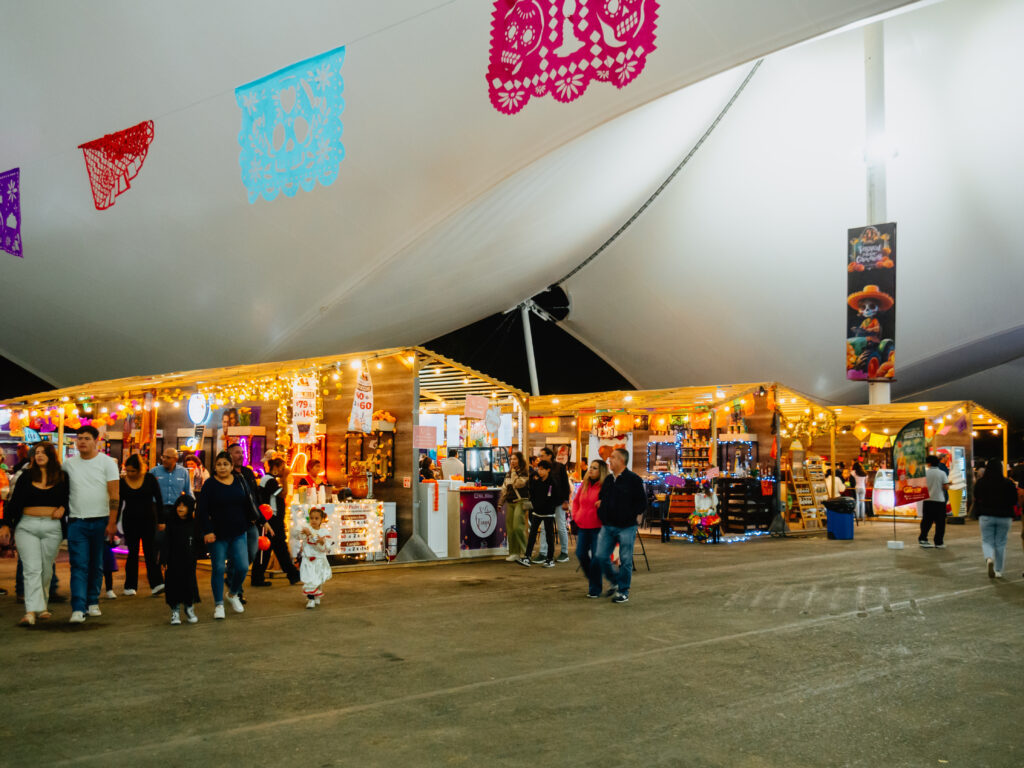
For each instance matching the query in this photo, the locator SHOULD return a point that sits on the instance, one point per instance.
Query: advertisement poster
(424, 436)
(481, 522)
(908, 455)
(361, 418)
(476, 407)
(602, 447)
(871, 303)
(304, 392)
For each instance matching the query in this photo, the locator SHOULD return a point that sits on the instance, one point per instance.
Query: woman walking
(141, 508)
(514, 492)
(860, 486)
(33, 513)
(225, 515)
(584, 514)
(995, 496)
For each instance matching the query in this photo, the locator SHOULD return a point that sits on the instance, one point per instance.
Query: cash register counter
(462, 520)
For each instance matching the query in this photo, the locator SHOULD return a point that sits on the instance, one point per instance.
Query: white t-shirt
(935, 478)
(88, 479)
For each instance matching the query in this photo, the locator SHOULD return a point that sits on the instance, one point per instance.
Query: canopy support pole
(875, 152)
(524, 311)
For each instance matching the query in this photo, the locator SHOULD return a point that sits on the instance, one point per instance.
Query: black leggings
(280, 548)
(549, 531)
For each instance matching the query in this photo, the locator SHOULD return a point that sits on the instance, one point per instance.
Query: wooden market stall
(680, 438)
(302, 410)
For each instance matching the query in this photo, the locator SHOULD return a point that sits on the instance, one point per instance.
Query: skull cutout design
(524, 30)
(291, 127)
(620, 21)
(560, 46)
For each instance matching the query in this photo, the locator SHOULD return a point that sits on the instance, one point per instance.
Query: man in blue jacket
(620, 504)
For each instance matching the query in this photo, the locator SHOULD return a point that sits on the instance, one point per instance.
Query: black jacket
(622, 500)
(560, 477)
(544, 496)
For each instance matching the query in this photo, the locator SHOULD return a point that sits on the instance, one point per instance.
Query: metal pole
(876, 150)
(524, 310)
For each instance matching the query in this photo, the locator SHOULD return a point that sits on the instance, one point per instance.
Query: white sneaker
(218, 612)
(190, 614)
(318, 601)
(157, 590)
(236, 604)
(77, 617)
(128, 592)
(999, 574)
(311, 603)
(175, 617)
(110, 594)
(94, 610)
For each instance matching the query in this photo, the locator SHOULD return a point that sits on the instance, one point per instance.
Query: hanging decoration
(560, 46)
(361, 418)
(10, 212)
(114, 160)
(304, 410)
(291, 127)
(870, 303)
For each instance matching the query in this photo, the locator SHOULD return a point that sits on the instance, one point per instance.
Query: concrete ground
(794, 652)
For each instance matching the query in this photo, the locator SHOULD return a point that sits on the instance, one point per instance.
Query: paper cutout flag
(10, 212)
(114, 160)
(536, 48)
(291, 127)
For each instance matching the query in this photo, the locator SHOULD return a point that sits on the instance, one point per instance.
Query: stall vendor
(314, 475)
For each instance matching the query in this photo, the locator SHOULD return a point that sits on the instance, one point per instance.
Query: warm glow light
(807, 410)
(886, 430)
(103, 409)
(411, 359)
(995, 431)
(555, 401)
(628, 398)
(719, 394)
(355, 365)
(974, 434)
(661, 422)
(156, 404)
(574, 422)
(335, 376)
(176, 405)
(616, 422)
(437, 371)
(922, 407)
(379, 366)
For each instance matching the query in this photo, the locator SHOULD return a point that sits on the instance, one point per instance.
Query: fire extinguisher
(391, 538)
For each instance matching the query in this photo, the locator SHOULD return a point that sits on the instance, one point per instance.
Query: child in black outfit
(542, 494)
(180, 578)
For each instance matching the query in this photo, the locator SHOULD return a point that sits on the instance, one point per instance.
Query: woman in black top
(995, 496)
(225, 515)
(272, 493)
(33, 513)
(545, 499)
(141, 507)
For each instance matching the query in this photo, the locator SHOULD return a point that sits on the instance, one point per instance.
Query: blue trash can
(839, 525)
(839, 518)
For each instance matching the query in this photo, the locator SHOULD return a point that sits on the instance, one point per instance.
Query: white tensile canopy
(446, 211)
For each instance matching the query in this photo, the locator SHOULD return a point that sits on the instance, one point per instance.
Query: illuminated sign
(198, 409)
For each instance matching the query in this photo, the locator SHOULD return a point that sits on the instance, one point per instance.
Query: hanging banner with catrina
(871, 303)
(361, 418)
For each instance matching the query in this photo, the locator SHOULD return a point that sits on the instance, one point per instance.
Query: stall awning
(445, 384)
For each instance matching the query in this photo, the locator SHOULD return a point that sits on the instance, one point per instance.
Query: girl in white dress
(314, 541)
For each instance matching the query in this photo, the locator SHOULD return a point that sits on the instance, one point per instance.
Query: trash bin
(839, 517)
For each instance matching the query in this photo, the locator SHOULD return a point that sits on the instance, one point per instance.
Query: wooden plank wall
(392, 391)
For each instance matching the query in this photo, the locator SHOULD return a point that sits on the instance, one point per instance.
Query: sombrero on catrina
(884, 300)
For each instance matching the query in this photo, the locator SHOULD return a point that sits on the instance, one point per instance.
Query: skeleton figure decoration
(291, 127)
(560, 46)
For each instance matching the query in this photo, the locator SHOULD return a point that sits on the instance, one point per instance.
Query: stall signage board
(476, 407)
(871, 303)
(304, 393)
(481, 521)
(361, 418)
(908, 456)
(424, 437)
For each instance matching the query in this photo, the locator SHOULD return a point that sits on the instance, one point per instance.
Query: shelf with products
(375, 450)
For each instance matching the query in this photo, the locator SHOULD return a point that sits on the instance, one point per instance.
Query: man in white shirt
(93, 478)
(934, 509)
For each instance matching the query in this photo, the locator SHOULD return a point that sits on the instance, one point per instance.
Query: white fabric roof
(446, 211)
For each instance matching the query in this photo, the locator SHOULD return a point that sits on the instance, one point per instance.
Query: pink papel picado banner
(560, 46)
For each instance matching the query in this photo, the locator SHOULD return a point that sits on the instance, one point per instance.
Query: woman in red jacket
(584, 514)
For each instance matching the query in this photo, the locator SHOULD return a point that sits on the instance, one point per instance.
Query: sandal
(28, 620)
(44, 615)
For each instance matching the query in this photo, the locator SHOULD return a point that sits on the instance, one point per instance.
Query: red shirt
(584, 507)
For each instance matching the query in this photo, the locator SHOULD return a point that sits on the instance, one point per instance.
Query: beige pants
(37, 539)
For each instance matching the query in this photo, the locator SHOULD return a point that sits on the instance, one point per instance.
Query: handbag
(517, 497)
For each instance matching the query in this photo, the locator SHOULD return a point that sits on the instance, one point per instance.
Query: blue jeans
(86, 540)
(563, 535)
(586, 547)
(235, 550)
(625, 537)
(994, 531)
